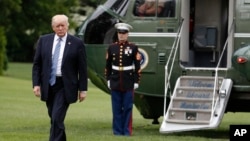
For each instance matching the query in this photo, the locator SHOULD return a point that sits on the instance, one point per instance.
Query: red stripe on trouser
(130, 124)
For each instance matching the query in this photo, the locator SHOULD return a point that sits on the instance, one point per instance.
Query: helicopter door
(205, 44)
(208, 23)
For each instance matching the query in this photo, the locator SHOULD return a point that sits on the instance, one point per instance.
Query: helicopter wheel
(155, 121)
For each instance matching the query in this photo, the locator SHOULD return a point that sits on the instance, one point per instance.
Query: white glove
(108, 83)
(136, 85)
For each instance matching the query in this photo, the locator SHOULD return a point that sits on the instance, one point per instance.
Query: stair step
(189, 115)
(190, 92)
(187, 99)
(184, 103)
(195, 88)
(187, 121)
(191, 110)
(200, 77)
(195, 81)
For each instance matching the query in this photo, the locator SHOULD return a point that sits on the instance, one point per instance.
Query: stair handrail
(167, 77)
(216, 86)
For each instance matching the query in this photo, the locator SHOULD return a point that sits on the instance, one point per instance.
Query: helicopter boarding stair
(198, 102)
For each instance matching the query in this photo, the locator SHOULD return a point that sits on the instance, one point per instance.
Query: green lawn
(23, 117)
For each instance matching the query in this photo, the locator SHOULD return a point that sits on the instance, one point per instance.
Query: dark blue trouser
(122, 106)
(57, 109)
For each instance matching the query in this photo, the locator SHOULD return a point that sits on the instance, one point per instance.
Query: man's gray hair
(58, 18)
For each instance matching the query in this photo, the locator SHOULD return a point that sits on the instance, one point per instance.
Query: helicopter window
(247, 2)
(151, 8)
(119, 5)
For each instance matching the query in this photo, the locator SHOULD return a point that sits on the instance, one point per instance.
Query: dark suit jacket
(74, 66)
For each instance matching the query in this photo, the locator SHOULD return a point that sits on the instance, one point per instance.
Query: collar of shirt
(63, 38)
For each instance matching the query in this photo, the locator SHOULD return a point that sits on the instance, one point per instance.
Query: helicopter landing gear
(155, 121)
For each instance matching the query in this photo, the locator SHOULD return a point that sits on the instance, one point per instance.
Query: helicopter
(194, 58)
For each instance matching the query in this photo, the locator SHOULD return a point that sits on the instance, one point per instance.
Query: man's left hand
(82, 95)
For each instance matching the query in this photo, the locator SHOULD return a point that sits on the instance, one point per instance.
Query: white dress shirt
(63, 42)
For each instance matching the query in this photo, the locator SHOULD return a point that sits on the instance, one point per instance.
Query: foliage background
(23, 21)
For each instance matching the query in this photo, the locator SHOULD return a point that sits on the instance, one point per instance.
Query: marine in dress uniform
(123, 75)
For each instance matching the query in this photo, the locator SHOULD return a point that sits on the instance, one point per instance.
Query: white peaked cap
(123, 26)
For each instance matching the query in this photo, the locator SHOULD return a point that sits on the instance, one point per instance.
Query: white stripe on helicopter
(242, 35)
(150, 34)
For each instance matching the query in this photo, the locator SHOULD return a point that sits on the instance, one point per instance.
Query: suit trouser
(122, 106)
(57, 109)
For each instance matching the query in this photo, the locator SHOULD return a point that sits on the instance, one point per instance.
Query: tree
(7, 7)
(32, 21)
(2, 51)
(25, 20)
(91, 3)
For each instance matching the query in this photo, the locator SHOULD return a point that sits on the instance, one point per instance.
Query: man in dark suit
(123, 76)
(59, 73)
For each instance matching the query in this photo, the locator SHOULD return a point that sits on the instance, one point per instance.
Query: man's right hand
(37, 91)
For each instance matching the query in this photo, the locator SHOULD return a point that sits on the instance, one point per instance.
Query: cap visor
(122, 31)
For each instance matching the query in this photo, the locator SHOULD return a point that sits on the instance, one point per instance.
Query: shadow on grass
(152, 130)
(212, 133)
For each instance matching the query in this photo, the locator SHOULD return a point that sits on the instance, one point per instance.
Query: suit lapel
(50, 47)
(66, 49)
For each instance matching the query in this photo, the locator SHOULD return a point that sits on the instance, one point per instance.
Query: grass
(23, 117)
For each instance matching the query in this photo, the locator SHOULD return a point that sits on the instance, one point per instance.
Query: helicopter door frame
(187, 51)
(231, 17)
